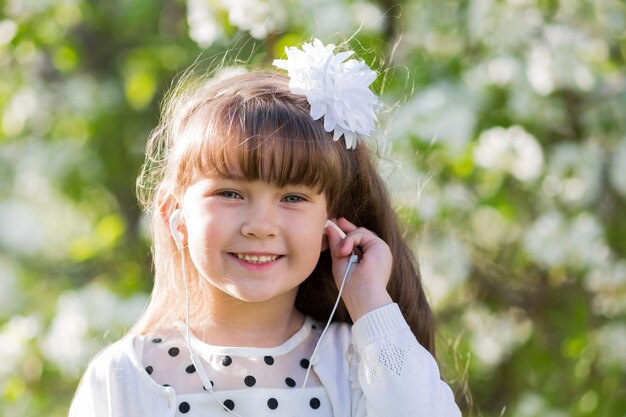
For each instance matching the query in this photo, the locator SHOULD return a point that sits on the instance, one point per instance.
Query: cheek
(204, 232)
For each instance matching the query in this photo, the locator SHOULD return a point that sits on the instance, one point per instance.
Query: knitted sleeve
(392, 374)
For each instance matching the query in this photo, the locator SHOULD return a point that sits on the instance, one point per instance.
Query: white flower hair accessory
(336, 88)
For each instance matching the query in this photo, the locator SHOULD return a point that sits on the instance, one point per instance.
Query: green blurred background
(503, 136)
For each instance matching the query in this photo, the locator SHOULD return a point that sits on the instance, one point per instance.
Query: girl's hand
(366, 287)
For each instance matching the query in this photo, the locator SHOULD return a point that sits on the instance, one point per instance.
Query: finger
(344, 247)
(346, 225)
(359, 238)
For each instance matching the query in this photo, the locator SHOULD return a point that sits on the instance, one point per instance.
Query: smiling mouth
(256, 259)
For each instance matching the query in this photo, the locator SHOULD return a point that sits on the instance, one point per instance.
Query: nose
(261, 222)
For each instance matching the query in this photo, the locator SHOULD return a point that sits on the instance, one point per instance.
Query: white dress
(245, 380)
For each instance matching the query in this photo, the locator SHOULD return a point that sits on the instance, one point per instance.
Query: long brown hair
(252, 126)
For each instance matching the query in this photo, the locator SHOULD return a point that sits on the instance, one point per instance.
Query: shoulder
(115, 384)
(118, 366)
(105, 373)
(115, 358)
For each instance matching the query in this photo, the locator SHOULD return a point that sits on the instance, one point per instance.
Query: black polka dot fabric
(272, 403)
(250, 382)
(184, 407)
(230, 404)
(315, 403)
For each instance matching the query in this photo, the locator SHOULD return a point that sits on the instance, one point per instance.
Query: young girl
(242, 175)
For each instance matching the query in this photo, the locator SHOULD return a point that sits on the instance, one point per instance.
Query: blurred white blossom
(617, 169)
(368, 16)
(22, 9)
(8, 30)
(327, 18)
(82, 318)
(532, 404)
(610, 16)
(554, 60)
(9, 293)
(410, 187)
(259, 17)
(15, 337)
(404, 182)
(442, 113)
(491, 229)
(553, 240)
(511, 150)
(527, 106)
(607, 284)
(495, 335)
(321, 18)
(23, 106)
(83, 95)
(574, 173)
(499, 71)
(611, 342)
(513, 21)
(38, 219)
(22, 228)
(204, 27)
(445, 265)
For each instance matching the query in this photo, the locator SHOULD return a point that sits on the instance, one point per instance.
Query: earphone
(174, 221)
(330, 223)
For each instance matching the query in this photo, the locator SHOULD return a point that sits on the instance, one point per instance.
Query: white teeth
(256, 259)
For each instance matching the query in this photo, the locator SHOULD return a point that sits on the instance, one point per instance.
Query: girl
(242, 175)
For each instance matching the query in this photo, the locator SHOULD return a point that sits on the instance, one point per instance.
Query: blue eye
(229, 194)
(293, 198)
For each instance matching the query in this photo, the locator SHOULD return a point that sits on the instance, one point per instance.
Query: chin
(251, 295)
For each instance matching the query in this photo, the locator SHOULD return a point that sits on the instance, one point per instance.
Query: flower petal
(336, 87)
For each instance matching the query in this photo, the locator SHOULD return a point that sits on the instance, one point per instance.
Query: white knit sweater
(375, 368)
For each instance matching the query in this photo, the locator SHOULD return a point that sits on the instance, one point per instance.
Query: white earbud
(174, 221)
(330, 223)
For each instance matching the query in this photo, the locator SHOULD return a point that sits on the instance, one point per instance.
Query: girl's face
(253, 241)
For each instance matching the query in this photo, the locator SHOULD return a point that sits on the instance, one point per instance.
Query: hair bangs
(271, 140)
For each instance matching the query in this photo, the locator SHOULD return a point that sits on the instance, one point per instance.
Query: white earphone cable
(195, 360)
(353, 259)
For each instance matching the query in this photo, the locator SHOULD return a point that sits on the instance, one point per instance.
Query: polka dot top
(248, 381)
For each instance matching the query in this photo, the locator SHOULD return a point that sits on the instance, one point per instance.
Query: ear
(324, 245)
(172, 218)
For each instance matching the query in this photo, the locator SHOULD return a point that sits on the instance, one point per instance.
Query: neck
(226, 321)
